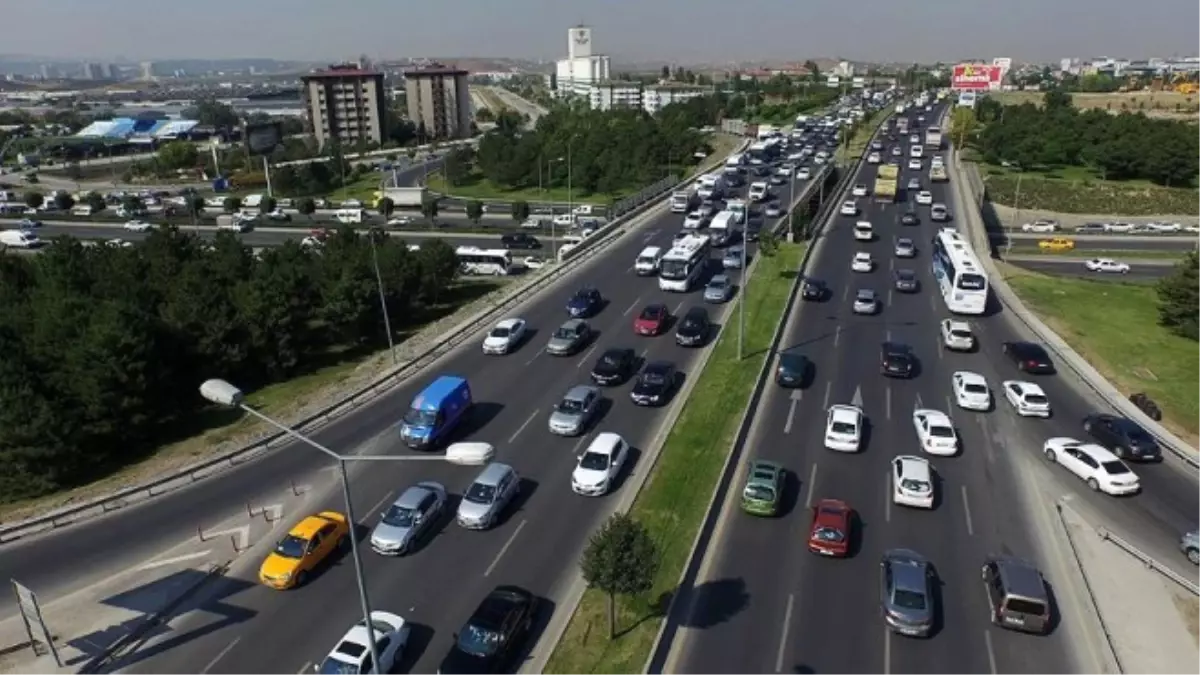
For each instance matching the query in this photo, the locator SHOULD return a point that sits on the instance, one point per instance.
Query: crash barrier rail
(1147, 560)
(973, 192)
(590, 247)
(660, 651)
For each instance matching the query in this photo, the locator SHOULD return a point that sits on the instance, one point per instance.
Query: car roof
(695, 312)
(956, 324)
(305, 529)
(1097, 452)
(825, 506)
(917, 468)
(492, 473)
(844, 413)
(654, 307)
(895, 348)
(904, 240)
(604, 443)
(1028, 387)
(412, 496)
(509, 323)
(935, 418)
(616, 351)
(718, 279)
(864, 293)
(572, 324)
(1029, 348)
(969, 377)
(906, 273)
(495, 608)
(862, 254)
(578, 392)
(908, 569)
(1020, 576)
(659, 366)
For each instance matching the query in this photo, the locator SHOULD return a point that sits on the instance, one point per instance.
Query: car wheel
(1050, 456)
(344, 542)
(1194, 556)
(1120, 452)
(1093, 484)
(1087, 426)
(302, 578)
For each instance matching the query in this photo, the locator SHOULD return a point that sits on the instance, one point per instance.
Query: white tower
(579, 42)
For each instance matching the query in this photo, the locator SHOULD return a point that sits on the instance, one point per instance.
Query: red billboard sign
(976, 77)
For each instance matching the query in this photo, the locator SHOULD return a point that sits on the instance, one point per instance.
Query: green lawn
(1086, 253)
(672, 504)
(1115, 327)
(1080, 190)
(860, 139)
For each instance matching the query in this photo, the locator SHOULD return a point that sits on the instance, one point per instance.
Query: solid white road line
(837, 335)
(889, 300)
(783, 638)
(812, 482)
(177, 559)
(845, 293)
(534, 357)
(932, 302)
(828, 389)
(221, 654)
(987, 640)
(513, 438)
(887, 500)
(949, 407)
(887, 650)
(631, 307)
(918, 403)
(887, 402)
(378, 504)
(967, 511)
(887, 335)
(678, 308)
(941, 346)
(306, 668)
(504, 549)
(587, 355)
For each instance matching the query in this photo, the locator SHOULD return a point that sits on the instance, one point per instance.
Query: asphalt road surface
(1148, 271)
(536, 545)
(1113, 242)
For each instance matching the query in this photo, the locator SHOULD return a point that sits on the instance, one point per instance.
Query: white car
(859, 190)
(137, 226)
(311, 242)
(802, 173)
(234, 225)
(1106, 265)
(693, 221)
(863, 231)
(862, 262)
(849, 209)
(353, 652)
(1193, 229)
(865, 302)
(844, 428)
(599, 465)
(1026, 398)
(1121, 228)
(1094, 464)
(971, 391)
(874, 158)
(531, 224)
(924, 197)
(914, 164)
(1040, 226)
(935, 431)
(1164, 228)
(119, 243)
(912, 482)
(534, 263)
(505, 336)
(399, 221)
(957, 335)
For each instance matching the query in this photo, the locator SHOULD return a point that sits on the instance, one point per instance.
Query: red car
(830, 532)
(653, 320)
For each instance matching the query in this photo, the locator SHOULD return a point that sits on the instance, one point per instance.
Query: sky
(682, 31)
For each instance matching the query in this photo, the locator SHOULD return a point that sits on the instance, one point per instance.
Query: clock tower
(579, 42)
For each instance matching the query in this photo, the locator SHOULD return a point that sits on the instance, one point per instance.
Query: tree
(307, 207)
(178, 155)
(520, 210)
(474, 211)
(63, 201)
(456, 167)
(268, 205)
(962, 125)
(132, 204)
(34, 199)
(387, 207)
(620, 559)
(212, 113)
(232, 204)
(1179, 298)
(484, 115)
(95, 202)
(429, 208)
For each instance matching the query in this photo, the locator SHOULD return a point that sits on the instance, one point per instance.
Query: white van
(82, 210)
(19, 239)
(758, 191)
(648, 261)
(350, 216)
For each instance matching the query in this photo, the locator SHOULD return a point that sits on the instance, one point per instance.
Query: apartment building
(347, 103)
(439, 99)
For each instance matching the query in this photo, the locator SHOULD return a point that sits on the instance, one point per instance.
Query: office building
(582, 68)
(346, 103)
(439, 100)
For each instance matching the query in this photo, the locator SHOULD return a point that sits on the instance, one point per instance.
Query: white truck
(722, 228)
(683, 201)
(711, 186)
(759, 191)
(19, 239)
(933, 138)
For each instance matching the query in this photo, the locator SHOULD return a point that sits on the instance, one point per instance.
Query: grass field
(1115, 327)
(1153, 103)
(1087, 253)
(862, 137)
(1079, 190)
(672, 504)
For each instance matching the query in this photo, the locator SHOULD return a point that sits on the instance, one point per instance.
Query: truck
(933, 138)
(712, 186)
(410, 197)
(886, 182)
(683, 201)
(435, 412)
(937, 174)
(722, 228)
(902, 125)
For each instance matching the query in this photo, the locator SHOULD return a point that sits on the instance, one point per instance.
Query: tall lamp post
(387, 321)
(226, 394)
(553, 224)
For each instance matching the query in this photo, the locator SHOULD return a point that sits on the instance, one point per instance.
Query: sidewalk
(1152, 622)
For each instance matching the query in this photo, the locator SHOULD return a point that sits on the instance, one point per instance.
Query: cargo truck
(886, 181)
(937, 174)
(683, 201)
(933, 138)
(902, 125)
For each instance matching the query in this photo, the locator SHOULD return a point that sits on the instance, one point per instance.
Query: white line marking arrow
(795, 397)
(241, 536)
(177, 559)
(857, 400)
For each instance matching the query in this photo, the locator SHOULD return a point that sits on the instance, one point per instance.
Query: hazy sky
(678, 30)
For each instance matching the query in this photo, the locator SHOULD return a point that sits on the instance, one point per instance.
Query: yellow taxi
(306, 545)
(1056, 244)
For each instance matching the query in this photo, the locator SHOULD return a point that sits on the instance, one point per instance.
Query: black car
(1029, 357)
(896, 360)
(693, 328)
(814, 289)
(585, 303)
(520, 240)
(1126, 438)
(653, 385)
(495, 634)
(910, 218)
(792, 370)
(614, 366)
(906, 281)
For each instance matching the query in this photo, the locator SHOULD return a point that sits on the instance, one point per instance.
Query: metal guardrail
(1147, 560)
(590, 247)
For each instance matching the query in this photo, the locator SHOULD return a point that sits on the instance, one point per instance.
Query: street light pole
(387, 321)
(553, 224)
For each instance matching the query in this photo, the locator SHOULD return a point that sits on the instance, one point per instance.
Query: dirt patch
(1167, 104)
(1188, 607)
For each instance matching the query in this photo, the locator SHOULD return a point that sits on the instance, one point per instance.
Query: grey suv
(906, 592)
(488, 496)
(575, 411)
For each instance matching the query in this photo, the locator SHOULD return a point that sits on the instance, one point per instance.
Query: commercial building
(439, 99)
(617, 94)
(345, 102)
(582, 69)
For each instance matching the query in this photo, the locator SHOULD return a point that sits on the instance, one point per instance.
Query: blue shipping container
(436, 412)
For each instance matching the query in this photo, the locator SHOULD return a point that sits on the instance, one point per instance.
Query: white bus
(959, 275)
(683, 264)
(475, 260)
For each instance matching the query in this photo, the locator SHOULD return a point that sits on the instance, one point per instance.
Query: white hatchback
(599, 465)
(1107, 265)
(353, 654)
(505, 337)
(1027, 398)
(925, 197)
(957, 335)
(859, 190)
(935, 432)
(912, 482)
(971, 391)
(863, 231)
(843, 428)
(862, 262)
(849, 209)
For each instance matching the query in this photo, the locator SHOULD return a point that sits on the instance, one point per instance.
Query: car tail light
(1031, 364)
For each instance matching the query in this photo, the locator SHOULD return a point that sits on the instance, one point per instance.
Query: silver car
(905, 248)
(914, 184)
(414, 513)
(719, 289)
(487, 497)
(571, 416)
(772, 211)
(865, 302)
(569, 337)
(733, 258)
(906, 592)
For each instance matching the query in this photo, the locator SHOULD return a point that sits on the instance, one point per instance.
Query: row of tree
(104, 347)
(1117, 147)
(1179, 298)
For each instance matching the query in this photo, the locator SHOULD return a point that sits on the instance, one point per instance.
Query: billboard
(976, 77)
(1004, 62)
(261, 139)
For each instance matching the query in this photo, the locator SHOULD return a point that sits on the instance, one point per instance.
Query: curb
(1112, 661)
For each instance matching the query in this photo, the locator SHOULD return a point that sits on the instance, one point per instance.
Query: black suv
(693, 328)
(614, 366)
(896, 360)
(1126, 438)
(814, 289)
(1029, 357)
(520, 240)
(654, 384)
(494, 636)
(793, 370)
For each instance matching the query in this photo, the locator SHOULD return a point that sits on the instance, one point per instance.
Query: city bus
(684, 263)
(492, 262)
(960, 277)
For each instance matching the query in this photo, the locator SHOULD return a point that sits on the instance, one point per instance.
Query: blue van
(435, 412)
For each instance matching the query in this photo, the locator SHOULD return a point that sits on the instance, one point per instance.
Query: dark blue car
(585, 303)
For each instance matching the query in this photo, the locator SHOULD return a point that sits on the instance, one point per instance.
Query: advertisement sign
(976, 77)
(1004, 62)
(262, 139)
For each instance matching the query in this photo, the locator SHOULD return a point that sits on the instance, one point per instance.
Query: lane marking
(887, 502)
(513, 438)
(845, 293)
(307, 667)
(891, 264)
(220, 655)
(631, 307)
(783, 638)
(889, 300)
(504, 549)
(919, 403)
(535, 355)
(949, 408)
(837, 335)
(941, 347)
(828, 388)
(887, 650)
(631, 268)
(967, 511)
(987, 640)
(587, 355)
(887, 335)
(578, 443)
(812, 481)
(932, 302)
(171, 561)
(678, 308)
(378, 504)
(887, 402)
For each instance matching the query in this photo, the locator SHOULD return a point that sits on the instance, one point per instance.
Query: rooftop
(340, 71)
(433, 70)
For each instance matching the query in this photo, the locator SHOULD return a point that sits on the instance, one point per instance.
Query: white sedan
(802, 174)
(935, 431)
(844, 428)
(957, 335)
(862, 262)
(1107, 265)
(859, 190)
(599, 465)
(399, 221)
(1094, 464)
(971, 391)
(137, 226)
(505, 336)
(119, 243)
(1040, 226)
(1026, 398)
(924, 197)
(914, 164)
(849, 209)
(912, 482)
(353, 653)
(1164, 228)
(311, 242)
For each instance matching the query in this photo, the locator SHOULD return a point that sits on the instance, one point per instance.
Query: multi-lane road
(536, 545)
(1140, 271)
(763, 603)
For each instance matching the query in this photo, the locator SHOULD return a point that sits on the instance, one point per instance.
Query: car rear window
(1023, 606)
(1115, 467)
(1036, 398)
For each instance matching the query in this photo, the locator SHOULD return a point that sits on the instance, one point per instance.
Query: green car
(764, 486)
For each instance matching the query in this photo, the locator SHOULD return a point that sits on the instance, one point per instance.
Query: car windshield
(420, 418)
(941, 432)
(291, 546)
(1037, 399)
(974, 388)
(653, 377)
(1115, 468)
(399, 516)
(844, 428)
(918, 486)
(478, 641)
(828, 534)
(905, 275)
(480, 493)
(651, 313)
(760, 493)
(611, 358)
(961, 334)
(594, 461)
(501, 332)
(570, 405)
(716, 284)
(564, 333)
(908, 599)
(865, 297)
(335, 666)
(580, 298)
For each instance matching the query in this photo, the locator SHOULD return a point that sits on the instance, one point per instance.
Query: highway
(763, 603)
(1140, 271)
(536, 545)
(1107, 242)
